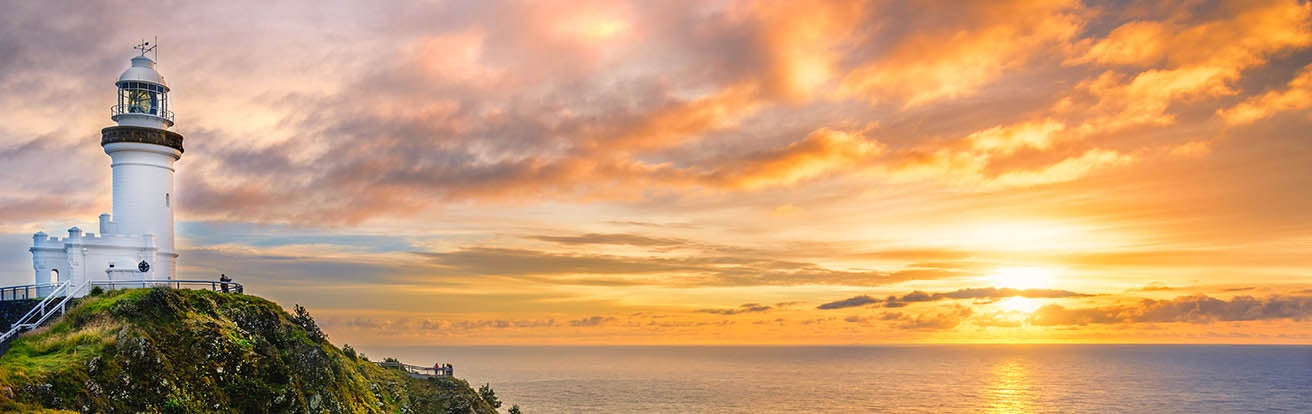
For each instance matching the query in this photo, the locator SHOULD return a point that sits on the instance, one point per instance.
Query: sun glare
(1021, 278)
(1018, 304)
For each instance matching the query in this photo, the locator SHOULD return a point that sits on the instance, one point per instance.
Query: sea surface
(892, 379)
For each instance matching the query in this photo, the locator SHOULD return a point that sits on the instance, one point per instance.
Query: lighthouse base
(81, 257)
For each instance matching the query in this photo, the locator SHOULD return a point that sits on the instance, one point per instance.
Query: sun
(1021, 278)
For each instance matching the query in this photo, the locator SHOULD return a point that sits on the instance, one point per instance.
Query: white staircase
(52, 304)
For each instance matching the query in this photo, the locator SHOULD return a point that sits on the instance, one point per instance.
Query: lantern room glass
(142, 98)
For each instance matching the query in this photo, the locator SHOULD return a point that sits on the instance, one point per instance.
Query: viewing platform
(213, 285)
(415, 371)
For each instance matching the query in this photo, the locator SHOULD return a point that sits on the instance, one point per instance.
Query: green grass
(57, 349)
(166, 350)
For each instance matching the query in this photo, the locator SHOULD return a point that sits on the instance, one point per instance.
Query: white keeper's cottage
(136, 242)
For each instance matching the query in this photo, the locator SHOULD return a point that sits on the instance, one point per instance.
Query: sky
(703, 172)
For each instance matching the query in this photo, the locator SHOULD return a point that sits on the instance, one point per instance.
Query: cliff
(183, 351)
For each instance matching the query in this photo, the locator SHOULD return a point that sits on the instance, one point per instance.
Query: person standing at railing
(223, 282)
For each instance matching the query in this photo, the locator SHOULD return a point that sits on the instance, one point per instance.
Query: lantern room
(143, 96)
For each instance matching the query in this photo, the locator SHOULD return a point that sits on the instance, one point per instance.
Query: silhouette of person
(223, 282)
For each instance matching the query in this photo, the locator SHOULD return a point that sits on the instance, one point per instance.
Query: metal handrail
(213, 285)
(61, 306)
(26, 291)
(22, 323)
(412, 369)
(117, 110)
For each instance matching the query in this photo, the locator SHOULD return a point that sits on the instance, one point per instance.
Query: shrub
(485, 392)
(459, 405)
(304, 320)
(350, 352)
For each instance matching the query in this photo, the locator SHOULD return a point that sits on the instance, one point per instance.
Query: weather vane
(146, 47)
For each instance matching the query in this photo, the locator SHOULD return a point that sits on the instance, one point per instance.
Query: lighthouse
(135, 242)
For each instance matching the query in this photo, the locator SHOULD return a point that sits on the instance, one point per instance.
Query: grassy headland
(184, 351)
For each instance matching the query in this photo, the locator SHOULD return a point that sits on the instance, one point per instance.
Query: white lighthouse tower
(136, 242)
(143, 151)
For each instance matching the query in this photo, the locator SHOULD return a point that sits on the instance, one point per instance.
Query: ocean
(886, 379)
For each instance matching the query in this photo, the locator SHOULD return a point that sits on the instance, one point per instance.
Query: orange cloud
(1191, 149)
(1134, 43)
(592, 23)
(457, 57)
(1065, 170)
(1146, 98)
(1248, 32)
(823, 152)
(1197, 60)
(1008, 139)
(960, 167)
(973, 160)
(802, 41)
(683, 121)
(957, 60)
(1193, 309)
(1296, 96)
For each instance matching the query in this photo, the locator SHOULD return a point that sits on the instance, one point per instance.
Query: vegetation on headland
(184, 351)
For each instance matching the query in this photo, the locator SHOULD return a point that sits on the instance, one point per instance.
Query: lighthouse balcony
(141, 135)
(118, 112)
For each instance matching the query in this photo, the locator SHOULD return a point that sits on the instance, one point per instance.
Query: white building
(137, 241)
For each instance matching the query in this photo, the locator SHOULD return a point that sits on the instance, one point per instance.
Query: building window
(167, 203)
(54, 275)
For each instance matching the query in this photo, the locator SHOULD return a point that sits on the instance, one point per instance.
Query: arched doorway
(54, 276)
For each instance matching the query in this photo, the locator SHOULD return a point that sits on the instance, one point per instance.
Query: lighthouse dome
(143, 70)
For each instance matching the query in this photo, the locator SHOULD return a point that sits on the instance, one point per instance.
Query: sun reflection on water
(1011, 391)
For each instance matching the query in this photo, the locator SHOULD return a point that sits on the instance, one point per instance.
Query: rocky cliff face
(182, 351)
